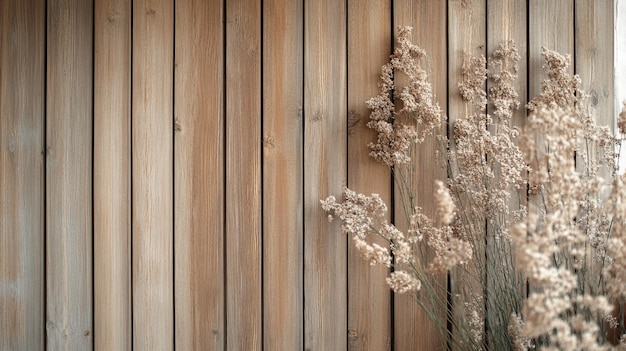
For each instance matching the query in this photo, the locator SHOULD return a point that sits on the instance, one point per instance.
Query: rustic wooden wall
(162, 161)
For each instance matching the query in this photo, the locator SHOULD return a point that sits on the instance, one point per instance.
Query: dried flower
(401, 282)
(568, 244)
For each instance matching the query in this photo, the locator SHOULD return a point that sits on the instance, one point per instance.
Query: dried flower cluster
(544, 269)
(394, 135)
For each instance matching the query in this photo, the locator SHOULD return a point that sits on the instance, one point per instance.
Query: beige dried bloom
(560, 88)
(373, 253)
(418, 116)
(449, 251)
(518, 340)
(471, 87)
(445, 204)
(402, 282)
(503, 95)
(568, 245)
(475, 319)
(616, 246)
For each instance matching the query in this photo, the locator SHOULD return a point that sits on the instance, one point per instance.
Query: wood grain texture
(282, 175)
(369, 46)
(550, 25)
(467, 40)
(412, 328)
(325, 157)
(112, 261)
(507, 21)
(594, 45)
(152, 178)
(594, 56)
(619, 63)
(243, 175)
(69, 175)
(22, 81)
(199, 179)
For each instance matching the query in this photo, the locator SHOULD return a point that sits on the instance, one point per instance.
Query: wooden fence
(162, 161)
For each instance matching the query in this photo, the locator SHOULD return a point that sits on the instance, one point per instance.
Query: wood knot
(177, 126)
(151, 11)
(594, 98)
(114, 16)
(353, 120)
(353, 333)
(268, 141)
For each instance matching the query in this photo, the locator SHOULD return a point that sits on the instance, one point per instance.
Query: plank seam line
(173, 131)
(303, 170)
(45, 180)
(130, 177)
(93, 202)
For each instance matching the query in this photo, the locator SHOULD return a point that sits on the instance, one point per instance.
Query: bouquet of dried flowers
(530, 224)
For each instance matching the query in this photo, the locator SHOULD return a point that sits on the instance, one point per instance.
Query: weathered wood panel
(325, 75)
(282, 175)
(152, 175)
(594, 56)
(199, 179)
(412, 327)
(506, 25)
(467, 40)
(221, 161)
(369, 46)
(22, 82)
(243, 175)
(111, 167)
(550, 25)
(69, 131)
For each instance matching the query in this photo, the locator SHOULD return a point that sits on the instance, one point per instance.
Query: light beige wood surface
(152, 175)
(243, 175)
(111, 167)
(550, 25)
(199, 179)
(325, 119)
(69, 122)
(594, 56)
(282, 175)
(22, 81)
(206, 230)
(412, 328)
(369, 47)
(594, 47)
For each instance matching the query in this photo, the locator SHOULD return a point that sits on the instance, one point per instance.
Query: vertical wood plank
(22, 81)
(369, 46)
(594, 56)
(112, 270)
(243, 175)
(282, 175)
(467, 39)
(507, 21)
(550, 25)
(199, 176)
(593, 40)
(69, 174)
(619, 64)
(413, 330)
(325, 157)
(152, 178)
